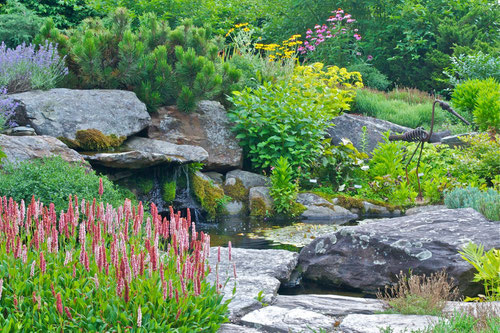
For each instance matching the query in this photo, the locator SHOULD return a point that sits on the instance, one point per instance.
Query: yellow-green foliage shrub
(290, 118)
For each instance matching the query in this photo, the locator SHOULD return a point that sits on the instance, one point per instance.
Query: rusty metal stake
(421, 136)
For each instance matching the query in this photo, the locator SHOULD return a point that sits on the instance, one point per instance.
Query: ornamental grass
(94, 267)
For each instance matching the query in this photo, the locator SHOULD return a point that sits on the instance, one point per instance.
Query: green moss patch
(259, 208)
(208, 196)
(168, 191)
(237, 191)
(93, 140)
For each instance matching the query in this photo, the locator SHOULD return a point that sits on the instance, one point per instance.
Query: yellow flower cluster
(285, 50)
(238, 26)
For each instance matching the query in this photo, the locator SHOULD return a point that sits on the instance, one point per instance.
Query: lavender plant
(7, 110)
(27, 67)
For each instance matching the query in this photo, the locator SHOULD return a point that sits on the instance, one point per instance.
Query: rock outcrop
(62, 112)
(368, 256)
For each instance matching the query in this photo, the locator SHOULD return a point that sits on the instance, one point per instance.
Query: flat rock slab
(145, 153)
(368, 256)
(423, 209)
(360, 323)
(207, 127)
(248, 179)
(259, 275)
(62, 112)
(21, 148)
(330, 305)
(278, 319)
(232, 328)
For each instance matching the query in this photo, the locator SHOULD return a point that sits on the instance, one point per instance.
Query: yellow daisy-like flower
(246, 29)
(229, 32)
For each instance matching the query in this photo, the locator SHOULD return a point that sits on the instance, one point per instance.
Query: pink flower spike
(229, 249)
(59, 303)
(101, 187)
(1, 288)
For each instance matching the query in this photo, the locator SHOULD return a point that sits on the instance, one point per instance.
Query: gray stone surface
(260, 194)
(258, 272)
(330, 305)
(422, 209)
(249, 179)
(319, 208)
(350, 126)
(21, 148)
(62, 112)
(232, 328)
(454, 140)
(144, 152)
(235, 208)
(207, 127)
(361, 323)
(368, 256)
(215, 176)
(278, 319)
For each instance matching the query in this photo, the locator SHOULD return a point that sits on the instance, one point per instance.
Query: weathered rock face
(207, 127)
(148, 152)
(350, 126)
(322, 209)
(20, 148)
(260, 201)
(248, 179)
(360, 323)
(257, 271)
(368, 256)
(62, 112)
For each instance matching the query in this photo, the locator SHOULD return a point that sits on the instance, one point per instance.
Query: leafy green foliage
(2, 155)
(487, 265)
(284, 189)
(479, 100)
(290, 119)
(478, 66)
(18, 24)
(486, 202)
(372, 77)
(53, 180)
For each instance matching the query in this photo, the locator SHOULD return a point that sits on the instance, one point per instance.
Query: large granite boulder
(350, 126)
(144, 152)
(207, 127)
(62, 112)
(368, 256)
(20, 148)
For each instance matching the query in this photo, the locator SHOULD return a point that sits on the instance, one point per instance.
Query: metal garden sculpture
(421, 136)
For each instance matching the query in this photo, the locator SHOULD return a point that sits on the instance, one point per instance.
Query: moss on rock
(93, 140)
(237, 191)
(208, 195)
(168, 191)
(259, 208)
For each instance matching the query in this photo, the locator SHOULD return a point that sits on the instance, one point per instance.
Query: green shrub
(53, 180)
(473, 66)
(372, 77)
(486, 202)
(93, 140)
(284, 189)
(487, 265)
(479, 101)
(18, 24)
(290, 119)
(161, 65)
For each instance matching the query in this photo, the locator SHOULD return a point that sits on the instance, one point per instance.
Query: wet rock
(278, 319)
(21, 148)
(207, 127)
(319, 208)
(260, 201)
(20, 131)
(62, 112)
(361, 323)
(350, 126)
(235, 208)
(248, 179)
(368, 256)
(330, 305)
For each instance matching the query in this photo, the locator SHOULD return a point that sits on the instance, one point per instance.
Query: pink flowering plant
(335, 42)
(98, 268)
